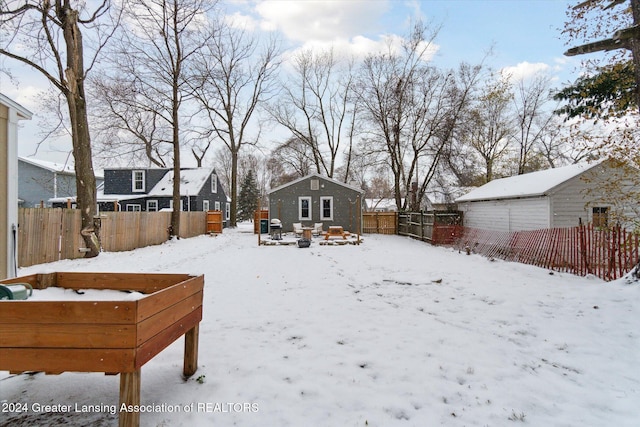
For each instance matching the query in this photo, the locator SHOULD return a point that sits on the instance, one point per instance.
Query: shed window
(205, 205)
(326, 208)
(152, 205)
(600, 217)
(216, 206)
(304, 208)
(137, 181)
(134, 208)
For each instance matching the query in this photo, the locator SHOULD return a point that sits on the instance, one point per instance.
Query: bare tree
(232, 77)
(489, 125)
(51, 32)
(295, 157)
(532, 118)
(127, 127)
(413, 110)
(318, 108)
(150, 89)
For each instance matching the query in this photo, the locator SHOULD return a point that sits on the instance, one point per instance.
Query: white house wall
(575, 199)
(507, 215)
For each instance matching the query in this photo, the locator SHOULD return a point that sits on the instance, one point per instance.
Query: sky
(524, 37)
(391, 332)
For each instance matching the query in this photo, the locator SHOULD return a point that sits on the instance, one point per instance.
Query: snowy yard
(391, 332)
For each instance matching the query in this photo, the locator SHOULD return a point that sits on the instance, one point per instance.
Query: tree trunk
(233, 217)
(85, 177)
(635, 50)
(174, 229)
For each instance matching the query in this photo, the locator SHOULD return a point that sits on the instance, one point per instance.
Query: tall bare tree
(533, 118)
(48, 37)
(319, 108)
(413, 109)
(232, 76)
(150, 89)
(489, 126)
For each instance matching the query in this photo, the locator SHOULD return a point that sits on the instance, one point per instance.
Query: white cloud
(525, 70)
(303, 21)
(241, 21)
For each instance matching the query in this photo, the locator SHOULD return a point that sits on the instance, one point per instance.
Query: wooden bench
(114, 337)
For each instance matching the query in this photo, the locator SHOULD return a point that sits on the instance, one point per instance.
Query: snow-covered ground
(391, 332)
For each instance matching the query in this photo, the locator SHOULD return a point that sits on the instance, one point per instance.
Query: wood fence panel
(214, 222)
(71, 240)
(380, 222)
(50, 234)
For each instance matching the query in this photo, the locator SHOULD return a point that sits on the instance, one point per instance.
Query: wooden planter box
(102, 336)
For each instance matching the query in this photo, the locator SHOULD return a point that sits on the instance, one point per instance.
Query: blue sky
(524, 34)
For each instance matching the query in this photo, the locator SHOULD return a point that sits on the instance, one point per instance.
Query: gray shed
(314, 199)
(554, 198)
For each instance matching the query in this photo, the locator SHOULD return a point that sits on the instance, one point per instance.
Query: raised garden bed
(114, 337)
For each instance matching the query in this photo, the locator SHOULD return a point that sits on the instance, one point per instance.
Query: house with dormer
(151, 190)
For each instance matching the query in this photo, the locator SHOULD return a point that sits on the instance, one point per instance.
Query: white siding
(574, 199)
(507, 215)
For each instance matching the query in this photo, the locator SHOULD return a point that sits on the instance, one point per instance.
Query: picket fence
(47, 235)
(606, 253)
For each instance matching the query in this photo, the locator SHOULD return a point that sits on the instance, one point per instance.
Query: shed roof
(527, 185)
(191, 182)
(316, 175)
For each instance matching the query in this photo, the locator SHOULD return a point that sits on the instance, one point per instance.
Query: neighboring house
(46, 184)
(553, 198)
(152, 190)
(381, 205)
(10, 114)
(313, 199)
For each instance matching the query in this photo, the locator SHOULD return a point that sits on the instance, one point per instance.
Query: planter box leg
(129, 395)
(191, 351)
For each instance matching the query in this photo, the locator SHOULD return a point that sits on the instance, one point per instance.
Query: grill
(276, 229)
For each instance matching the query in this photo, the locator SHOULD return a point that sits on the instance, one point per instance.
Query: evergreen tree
(248, 200)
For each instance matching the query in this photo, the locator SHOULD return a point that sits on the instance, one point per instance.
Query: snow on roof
(51, 166)
(527, 185)
(67, 168)
(384, 203)
(191, 182)
(316, 175)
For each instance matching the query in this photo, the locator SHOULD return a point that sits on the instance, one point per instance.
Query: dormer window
(214, 183)
(138, 181)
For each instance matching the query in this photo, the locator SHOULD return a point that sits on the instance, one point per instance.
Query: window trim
(205, 205)
(214, 183)
(151, 202)
(216, 205)
(300, 217)
(142, 181)
(322, 217)
(136, 207)
(605, 215)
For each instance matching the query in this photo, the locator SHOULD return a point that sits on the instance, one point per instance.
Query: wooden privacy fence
(380, 222)
(47, 235)
(606, 253)
(433, 227)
